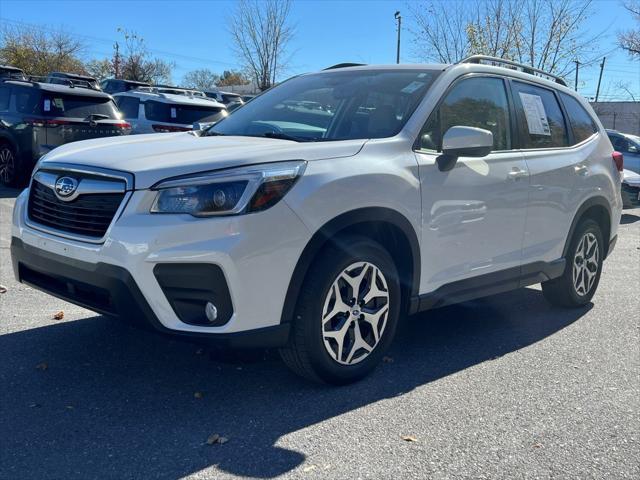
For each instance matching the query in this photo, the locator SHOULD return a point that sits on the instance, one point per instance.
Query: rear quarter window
(129, 106)
(540, 119)
(581, 122)
(27, 100)
(5, 96)
(177, 113)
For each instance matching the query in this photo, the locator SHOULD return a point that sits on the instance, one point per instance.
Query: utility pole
(600, 77)
(575, 87)
(399, 19)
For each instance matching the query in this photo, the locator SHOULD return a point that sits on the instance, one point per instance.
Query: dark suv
(37, 117)
(117, 85)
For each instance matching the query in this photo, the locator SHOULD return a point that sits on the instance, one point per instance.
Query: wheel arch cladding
(386, 226)
(595, 208)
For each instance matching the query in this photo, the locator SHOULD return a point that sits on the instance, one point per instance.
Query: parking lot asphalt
(503, 387)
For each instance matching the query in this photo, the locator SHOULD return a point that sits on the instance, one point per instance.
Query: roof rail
(501, 62)
(344, 65)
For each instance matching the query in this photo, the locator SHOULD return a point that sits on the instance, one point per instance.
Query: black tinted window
(5, 95)
(581, 122)
(73, 106)
(128, 106)
(27, 100)
(473, 102)
(540, 119)
(177, 113)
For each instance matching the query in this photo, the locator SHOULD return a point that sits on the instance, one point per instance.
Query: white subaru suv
(314, 230)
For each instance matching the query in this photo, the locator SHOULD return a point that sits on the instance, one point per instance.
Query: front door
(473, 216)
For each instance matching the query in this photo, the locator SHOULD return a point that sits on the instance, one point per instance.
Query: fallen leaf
(409, 438)
(3, 289)
(222, 440)
(42, 366)
(200, 351)
(197, 395)
(309, 468)
(35, 405)
(538, 445)
(387, 359)
(59, 315)
(70, 407)
(213, 439)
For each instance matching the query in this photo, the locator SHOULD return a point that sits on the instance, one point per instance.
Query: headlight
(229, 192)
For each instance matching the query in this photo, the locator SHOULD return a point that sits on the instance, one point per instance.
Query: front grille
(88, 215)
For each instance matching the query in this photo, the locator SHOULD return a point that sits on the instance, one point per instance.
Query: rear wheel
(9, 174)
(346, 314)
(580, 280)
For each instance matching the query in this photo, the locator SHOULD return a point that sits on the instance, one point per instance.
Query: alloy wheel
(355, 313)
(7, 165)
(586, 264)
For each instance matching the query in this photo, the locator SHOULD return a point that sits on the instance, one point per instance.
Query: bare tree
(136, 62)
(261, 34)
(546, 34)
(38, 51)
(630, 40)
(202, 79)
(99, 69)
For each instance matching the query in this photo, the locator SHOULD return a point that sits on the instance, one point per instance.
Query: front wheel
(347, 313)
(579, 282)
(9, 174)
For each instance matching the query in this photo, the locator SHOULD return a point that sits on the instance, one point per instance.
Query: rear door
(474, 215)
(71, 118)
(555, 166)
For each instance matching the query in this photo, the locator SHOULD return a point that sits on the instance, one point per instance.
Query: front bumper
(123, 276)
(111, 290)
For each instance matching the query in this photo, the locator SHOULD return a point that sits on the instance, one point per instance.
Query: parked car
(149, 111)
(314, 233)
(231, 100)
(36, 117)
(246, 98)
(117, 85)
(630, 189)
(73, 80)
(15, 73)
(629, 146)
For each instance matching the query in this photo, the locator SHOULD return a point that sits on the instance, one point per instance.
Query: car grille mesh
(88, 215)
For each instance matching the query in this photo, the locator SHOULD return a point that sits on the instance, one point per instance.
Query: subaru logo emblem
(65, 187)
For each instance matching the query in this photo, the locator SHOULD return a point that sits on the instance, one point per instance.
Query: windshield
(333, 105)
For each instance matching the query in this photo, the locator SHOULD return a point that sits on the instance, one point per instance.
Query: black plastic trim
(591, 202)
(111, 290)
(488, 284)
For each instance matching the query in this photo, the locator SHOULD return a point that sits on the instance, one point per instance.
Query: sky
(194, 34)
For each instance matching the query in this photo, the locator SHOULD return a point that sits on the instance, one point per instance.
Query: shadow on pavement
(6, 192)
(119, 403)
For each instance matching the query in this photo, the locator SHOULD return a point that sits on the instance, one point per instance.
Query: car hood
(155, 157)
(631, 178)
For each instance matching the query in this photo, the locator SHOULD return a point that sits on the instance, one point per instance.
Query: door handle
(581, 169)
(516, 174)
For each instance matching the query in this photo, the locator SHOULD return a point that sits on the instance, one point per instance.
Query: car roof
(58, 88)
(170, 98)
(72, 76)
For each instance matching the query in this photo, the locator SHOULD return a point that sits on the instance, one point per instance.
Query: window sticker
(58, 103)
(47, 105)
(535, 114)
(174, 113)
(412, 87)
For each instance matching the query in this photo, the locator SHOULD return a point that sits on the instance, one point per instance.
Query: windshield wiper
(284, 136)
(96, 116)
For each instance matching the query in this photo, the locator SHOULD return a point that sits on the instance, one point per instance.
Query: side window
(27, 100)
(540, 118)
(620, 144)
(5, 95)
(129, 106)
(473, 102)
(581, 122)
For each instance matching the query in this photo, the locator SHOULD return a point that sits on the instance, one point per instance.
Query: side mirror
(464, 142)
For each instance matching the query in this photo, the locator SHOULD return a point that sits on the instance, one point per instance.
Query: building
(621, 116)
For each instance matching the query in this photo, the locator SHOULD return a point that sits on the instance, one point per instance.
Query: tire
(580, 279)
(9, 167)
(325, 350)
